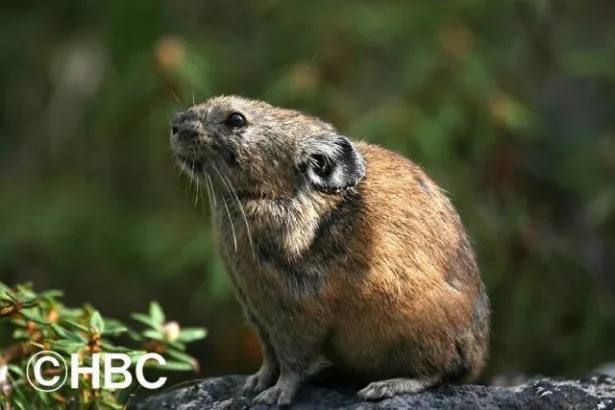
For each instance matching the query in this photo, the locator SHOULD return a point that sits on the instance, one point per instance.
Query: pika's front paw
(389, 388)
(283, 393)
(258, 382)
(275, 395)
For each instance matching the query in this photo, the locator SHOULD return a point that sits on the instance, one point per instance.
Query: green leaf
(77, 325)
(25, 292)
(134, 335)
(135, 355)
(116, 330)
(51, 294)
(34, 317)
(176, 345)
(109, 404)
(66, 334)
(30, 304)
(8, 294)
(191, 334)
(156, 313)
(19, 387)
(44, 397)
(74, 313)
(146, 320)
(114, 327)
(183, 357)
(125, 396)
(112, 348)
(97, 322)
(19, 404)
(21, 334)
(153, 334)
(17, 370)
(171, 366)
(68, 346)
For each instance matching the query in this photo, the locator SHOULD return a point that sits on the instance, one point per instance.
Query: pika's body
(339, 252)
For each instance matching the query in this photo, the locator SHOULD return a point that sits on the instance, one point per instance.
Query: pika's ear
(331, 163)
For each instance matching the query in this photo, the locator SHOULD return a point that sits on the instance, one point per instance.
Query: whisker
(176, 99)
(230, 219)
(243, 213)
(211, 184)
(191, 179)
(233, 192)
(313, 60)
(177, 169)
(203, 203)
(212, 196)
(228, 212)
(206, 182)
(188, 187)
(196, 197)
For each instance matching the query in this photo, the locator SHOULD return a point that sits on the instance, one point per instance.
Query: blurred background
(508, 105)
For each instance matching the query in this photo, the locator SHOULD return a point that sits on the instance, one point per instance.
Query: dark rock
(222, 393)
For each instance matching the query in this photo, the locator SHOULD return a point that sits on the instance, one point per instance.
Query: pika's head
(263, 151)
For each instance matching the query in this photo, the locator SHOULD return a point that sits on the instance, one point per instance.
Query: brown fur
(378, 279)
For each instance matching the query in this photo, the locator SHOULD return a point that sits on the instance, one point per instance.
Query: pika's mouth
(193, 164)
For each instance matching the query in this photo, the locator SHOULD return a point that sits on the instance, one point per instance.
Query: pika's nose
(185, 125)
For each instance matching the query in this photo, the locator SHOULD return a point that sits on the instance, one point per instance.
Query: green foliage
(41, 322)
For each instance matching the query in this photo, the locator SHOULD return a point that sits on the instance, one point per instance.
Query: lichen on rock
(223, 393)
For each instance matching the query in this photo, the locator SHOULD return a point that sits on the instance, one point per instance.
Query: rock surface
(592, 392)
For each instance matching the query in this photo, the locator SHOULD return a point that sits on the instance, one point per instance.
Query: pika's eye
(236, 120)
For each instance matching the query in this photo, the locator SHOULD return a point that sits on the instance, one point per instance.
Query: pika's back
(413, 218)
(408, 282)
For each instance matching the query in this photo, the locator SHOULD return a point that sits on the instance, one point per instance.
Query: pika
(341, 253)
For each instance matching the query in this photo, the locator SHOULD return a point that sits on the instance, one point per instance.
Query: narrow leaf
(156, 313)
(184, 358)
(146, 320)
(77, 325)
(52, 294)
(114, 327)
(117, 349)
(97, 322)
(67, 345)
(34, 317)
(191, 334)
(171, 366)
(153, 334)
